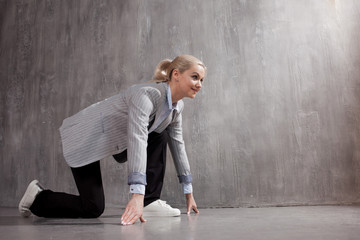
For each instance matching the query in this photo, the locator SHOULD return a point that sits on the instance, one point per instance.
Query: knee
(93, 210)
(98, 211)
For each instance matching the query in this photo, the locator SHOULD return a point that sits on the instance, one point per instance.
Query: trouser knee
(92, 209)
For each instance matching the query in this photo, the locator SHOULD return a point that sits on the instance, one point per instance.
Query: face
(190, 81)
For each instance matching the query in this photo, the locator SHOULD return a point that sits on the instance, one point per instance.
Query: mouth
(195, 90)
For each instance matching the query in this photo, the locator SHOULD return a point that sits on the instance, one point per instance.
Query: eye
(194, 77)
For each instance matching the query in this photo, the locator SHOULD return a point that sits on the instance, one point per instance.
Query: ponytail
(161, 71)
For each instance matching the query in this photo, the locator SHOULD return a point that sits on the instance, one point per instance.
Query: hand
(133, 210)
(191, 204)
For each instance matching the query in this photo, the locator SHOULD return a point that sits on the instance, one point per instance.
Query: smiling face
(188, 83)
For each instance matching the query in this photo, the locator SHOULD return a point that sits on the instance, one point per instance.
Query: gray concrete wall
(277, 121)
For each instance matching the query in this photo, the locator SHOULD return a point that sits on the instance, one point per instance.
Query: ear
(175, 73)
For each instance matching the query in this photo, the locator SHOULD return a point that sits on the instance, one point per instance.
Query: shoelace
(163, 203)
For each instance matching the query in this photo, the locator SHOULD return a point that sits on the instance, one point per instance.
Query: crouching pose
(135, 125)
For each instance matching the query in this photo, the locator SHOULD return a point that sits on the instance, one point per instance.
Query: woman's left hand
(191, 204)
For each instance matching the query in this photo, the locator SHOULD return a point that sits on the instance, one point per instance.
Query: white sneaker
(27, 200)
(159, 208)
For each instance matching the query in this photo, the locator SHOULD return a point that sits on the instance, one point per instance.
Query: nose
(198, 84)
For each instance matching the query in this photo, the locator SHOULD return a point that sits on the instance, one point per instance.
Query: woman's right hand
(133, 210)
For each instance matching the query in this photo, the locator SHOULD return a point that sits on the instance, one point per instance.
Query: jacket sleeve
(177, 148)
(140, 106)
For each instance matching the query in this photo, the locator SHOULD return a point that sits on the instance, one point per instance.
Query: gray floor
(320, 222)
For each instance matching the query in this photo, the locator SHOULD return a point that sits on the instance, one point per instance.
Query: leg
(156, 164)
(89, 204)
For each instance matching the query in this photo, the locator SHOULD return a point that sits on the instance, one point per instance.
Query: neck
(175, 96)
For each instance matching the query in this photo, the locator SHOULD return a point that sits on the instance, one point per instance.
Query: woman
(135, 125)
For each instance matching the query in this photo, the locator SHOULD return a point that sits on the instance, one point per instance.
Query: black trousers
(90, 203)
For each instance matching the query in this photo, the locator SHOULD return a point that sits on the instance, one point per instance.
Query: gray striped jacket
(121, 122)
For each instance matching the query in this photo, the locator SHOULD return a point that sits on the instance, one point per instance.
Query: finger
(132, 220)
(124, 215)
(195, 209)
(128, 217)
(142, 219)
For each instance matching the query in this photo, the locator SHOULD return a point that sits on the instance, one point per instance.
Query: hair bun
(161, 71)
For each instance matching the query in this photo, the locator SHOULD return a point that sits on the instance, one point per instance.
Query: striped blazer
(121, 122)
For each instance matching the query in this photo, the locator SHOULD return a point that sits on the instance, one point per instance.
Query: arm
(177, 148)
(140, 107)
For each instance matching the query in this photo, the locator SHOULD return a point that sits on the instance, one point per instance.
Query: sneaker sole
(161, 214)
(25, 211)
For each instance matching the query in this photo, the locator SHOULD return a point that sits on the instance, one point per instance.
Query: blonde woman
(135, 126)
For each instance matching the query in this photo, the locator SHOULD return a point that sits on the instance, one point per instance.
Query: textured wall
(277, 121)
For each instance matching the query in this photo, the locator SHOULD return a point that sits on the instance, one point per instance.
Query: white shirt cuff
(187, 187)
(137, 188)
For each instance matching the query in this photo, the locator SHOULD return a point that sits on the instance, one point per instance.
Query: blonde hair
(164, 69)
